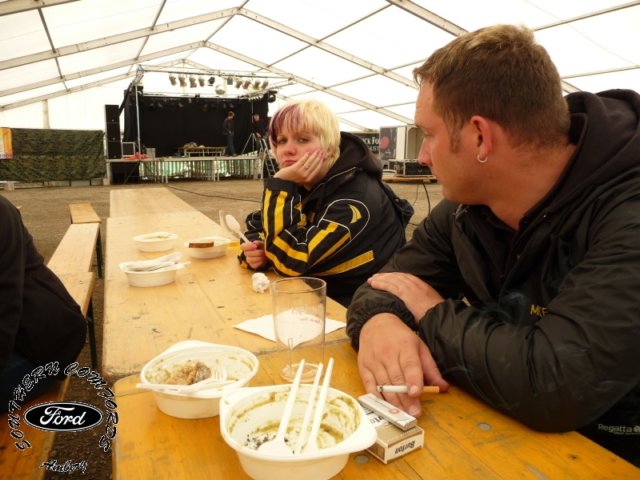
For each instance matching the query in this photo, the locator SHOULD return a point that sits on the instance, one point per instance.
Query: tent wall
(54, 155)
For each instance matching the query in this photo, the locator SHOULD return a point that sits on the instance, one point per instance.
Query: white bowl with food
(251, 416)
(207, 247)
(150, 274)
(155, 241)
(180, 364)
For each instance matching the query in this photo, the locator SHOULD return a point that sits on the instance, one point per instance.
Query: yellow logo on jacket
(355, 214)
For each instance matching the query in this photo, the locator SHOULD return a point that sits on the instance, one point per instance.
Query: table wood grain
(142, 201)
(204, 303)
(464, 439)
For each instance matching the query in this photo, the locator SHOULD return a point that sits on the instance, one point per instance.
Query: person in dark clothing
(228, 132)
(258, 127)
(522, 284)
(42, 329)
(325, 212)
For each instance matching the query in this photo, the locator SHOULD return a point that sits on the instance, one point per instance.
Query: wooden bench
(27, 464)
(75, 251)
(80, 285)
(71, 262)
(84, 213)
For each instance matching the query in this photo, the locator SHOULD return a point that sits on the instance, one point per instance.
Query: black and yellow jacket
(343, 230)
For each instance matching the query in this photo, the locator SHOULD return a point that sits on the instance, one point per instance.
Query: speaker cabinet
(112, 114)
(114, 150)
(112, 129)
(113, 132)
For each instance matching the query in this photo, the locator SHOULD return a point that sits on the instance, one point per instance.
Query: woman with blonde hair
(326, 212)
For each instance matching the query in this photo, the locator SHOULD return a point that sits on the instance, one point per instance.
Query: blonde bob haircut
(309, 116)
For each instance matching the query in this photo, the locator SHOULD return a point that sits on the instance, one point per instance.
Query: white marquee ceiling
(355, 55)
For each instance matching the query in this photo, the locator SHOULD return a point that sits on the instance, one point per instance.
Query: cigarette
(405, 389)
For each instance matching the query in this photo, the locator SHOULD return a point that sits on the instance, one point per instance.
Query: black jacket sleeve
(556, 372)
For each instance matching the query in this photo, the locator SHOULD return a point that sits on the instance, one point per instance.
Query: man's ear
(484, 135)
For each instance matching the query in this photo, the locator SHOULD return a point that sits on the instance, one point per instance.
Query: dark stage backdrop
(167, 123)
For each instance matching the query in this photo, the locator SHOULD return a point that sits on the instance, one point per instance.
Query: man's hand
(392, 354)
(417, 295)
(254, 254)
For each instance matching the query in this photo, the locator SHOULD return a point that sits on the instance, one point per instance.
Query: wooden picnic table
(464, 439)
(204, 303)
(143, 201)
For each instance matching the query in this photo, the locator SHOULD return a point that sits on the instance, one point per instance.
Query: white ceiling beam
(309, 83)
(17, 6)
(587, 15)
(447, 26)
(310, 41)
(115, 39)
(105, 68)
(61, 93)
(428, 16)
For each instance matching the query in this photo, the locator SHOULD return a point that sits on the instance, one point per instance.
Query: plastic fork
(218, 378)
(312, 442)
(307, 414)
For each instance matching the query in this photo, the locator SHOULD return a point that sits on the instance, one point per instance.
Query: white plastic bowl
(251, 413)
(155, 241)
(241, 366)
(218, 249)
(156, 278)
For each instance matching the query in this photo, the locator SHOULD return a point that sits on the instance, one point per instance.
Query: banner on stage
(6, 147)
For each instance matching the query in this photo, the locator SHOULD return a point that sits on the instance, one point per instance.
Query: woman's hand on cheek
(307, 171)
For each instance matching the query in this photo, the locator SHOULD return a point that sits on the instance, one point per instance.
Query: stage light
(183, 80)
(229, 81)
(238, 82)
(246, 84)
(201, 81)
(265, 84)
(256, 84)
(221, 89)
(192, 81)
(212, 80)
(172, 79)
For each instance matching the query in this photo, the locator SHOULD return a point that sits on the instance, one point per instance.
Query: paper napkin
(263, 326)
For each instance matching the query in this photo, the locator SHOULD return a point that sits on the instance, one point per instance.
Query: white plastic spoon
(278, 446)
(234, 226)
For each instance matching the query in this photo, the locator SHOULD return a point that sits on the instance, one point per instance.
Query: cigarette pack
(392, 442)
(388, 411)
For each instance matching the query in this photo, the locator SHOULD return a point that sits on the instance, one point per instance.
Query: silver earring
(485, 160)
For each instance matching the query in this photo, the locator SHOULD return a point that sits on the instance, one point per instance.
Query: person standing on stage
(227, 131)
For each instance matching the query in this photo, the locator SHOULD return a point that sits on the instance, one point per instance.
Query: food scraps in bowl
(188, 373)
(251, 416)
(240, 365)
(155, 241)
(151, 278)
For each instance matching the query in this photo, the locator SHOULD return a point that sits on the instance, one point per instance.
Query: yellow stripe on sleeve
(361, 259)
